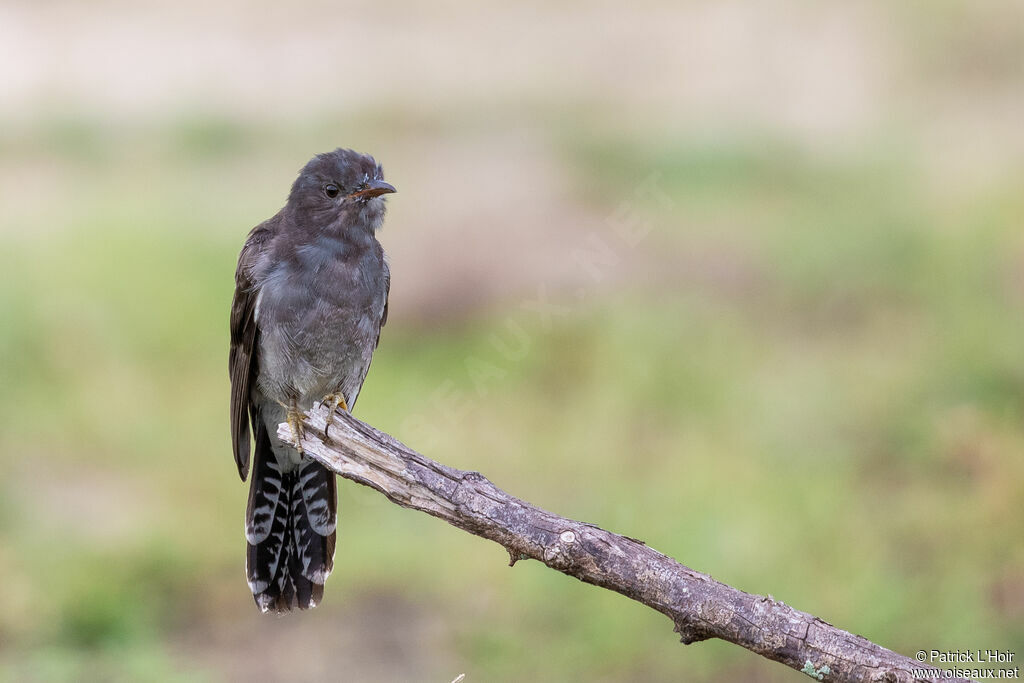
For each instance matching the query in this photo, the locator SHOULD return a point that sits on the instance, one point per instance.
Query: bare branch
(699, 606)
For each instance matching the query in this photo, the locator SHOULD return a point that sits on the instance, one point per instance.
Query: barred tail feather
(290, 531)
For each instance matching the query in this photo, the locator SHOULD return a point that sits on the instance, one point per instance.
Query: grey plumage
(311, 292)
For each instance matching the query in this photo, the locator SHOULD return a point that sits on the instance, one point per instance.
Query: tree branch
(699, 606)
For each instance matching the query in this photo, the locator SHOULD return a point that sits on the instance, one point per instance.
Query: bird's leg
(295, 418)
(333, 401)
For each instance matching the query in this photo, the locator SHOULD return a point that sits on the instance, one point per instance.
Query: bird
(311, 297)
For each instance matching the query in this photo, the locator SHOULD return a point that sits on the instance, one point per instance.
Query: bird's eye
(331, 190)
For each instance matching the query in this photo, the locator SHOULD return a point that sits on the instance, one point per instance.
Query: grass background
(804, 374)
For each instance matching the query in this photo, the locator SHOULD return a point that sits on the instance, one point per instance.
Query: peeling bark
(698, 605)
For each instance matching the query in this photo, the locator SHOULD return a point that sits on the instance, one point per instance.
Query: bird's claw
(295, 419)
(333, 401)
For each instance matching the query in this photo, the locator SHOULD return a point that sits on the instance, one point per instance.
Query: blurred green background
(785, 245)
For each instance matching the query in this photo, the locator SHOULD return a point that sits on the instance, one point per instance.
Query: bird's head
(341, 188)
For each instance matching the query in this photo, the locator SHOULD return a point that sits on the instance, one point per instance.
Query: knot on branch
(559, 554)
(691, 631)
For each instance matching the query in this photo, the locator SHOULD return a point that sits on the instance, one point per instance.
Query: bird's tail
(290, 530)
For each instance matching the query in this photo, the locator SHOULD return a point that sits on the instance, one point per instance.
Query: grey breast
(319, 315)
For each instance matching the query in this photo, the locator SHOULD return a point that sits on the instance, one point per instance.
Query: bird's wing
(387, 293)
(352, 390)
(244, 335)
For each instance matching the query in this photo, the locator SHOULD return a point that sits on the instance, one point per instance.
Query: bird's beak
(374, 188)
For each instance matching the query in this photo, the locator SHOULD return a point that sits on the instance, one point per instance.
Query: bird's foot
(333, 401)
(295, 418)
